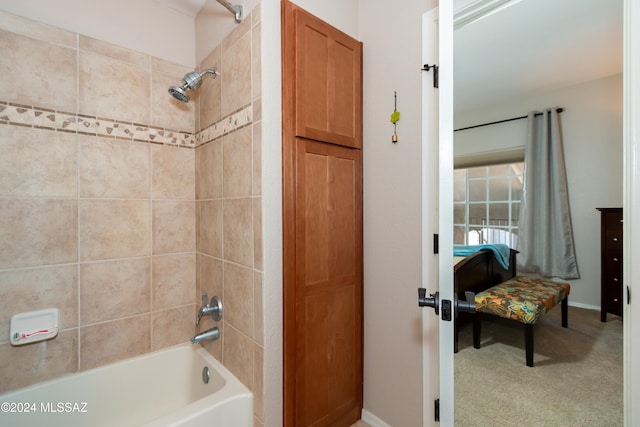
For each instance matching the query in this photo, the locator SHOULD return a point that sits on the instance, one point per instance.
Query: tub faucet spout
(208, 335)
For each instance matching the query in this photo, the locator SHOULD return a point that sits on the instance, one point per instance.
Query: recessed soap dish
(33, 326)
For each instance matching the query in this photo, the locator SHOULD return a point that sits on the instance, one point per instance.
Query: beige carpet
(576, 379)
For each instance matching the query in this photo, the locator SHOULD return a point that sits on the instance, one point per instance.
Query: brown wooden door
(322, 193)
(328, 84)
(328, 288)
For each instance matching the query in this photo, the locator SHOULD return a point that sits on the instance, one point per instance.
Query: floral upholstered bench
(522, 299)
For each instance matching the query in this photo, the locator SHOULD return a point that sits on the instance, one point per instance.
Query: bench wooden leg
(528, 343)
(565, 308)
(476, 330)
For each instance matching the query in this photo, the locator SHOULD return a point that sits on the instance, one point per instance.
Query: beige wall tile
(113, 89)
(173, 326)
(238, 231)
(37, 162)
(209, 170)
(114, 229)
(170, 68)
(256, 61)
(29, 364)
(37, 289)
(166, 111)
(211, 279)
(256, 107)
(38, 232)
(257, 232)
(173, 173)
(257, 158)
(116, 340)
(198, 275)
(238, 298)
(236, 77)
(255, 15)
(113, 168)
(23, 68)
(237, 163)
(174, 279)
(198, 242)
(174, 227)
(238, 355)
(209, 92)
(211, 220)
(113, 289)
(114, 52)
(37, 30)
(238, 32)
(258, 312)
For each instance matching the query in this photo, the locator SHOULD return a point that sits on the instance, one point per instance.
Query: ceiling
(535, 45)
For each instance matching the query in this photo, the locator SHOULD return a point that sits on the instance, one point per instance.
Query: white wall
(341, 14)
(391, 34)
(272, 210)
(592, 135)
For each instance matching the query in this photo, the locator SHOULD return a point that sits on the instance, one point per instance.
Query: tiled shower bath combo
(121, 206)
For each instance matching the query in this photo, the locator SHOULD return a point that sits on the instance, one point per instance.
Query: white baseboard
(372, 420)
(580, 305)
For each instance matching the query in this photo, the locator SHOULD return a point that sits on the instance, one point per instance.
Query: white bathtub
(164, 388)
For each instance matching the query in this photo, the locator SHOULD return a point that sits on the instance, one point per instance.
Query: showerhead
(190, 82)
(179, 93)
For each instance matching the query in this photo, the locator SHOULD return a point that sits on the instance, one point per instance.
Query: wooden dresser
(611, 262)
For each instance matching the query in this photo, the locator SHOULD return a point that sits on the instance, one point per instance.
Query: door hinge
(628, 295)
(436, 244)
(435, 68)
(436, 410)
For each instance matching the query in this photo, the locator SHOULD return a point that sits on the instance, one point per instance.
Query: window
(486, 204)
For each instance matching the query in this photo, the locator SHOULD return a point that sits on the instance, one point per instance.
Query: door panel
(317, 233)
(328, 90)
(328, 289)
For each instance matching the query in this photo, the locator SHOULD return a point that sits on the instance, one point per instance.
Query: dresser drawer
(613, 240)
(614, 299)
(611, 261)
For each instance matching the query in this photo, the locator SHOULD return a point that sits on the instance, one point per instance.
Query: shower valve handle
(212, 308)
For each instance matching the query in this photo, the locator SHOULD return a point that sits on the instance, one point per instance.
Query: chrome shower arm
(235, 9)
(210, 71)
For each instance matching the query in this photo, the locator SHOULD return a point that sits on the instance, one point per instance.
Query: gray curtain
(545, 238)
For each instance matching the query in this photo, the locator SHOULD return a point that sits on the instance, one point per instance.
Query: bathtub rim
(233, 389)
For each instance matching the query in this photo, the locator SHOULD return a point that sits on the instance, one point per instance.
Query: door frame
(631, 204)
(430, 174)
(445, 206)
(437, 197)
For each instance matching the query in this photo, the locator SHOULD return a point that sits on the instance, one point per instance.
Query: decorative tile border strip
(23, 115)
(232, 122)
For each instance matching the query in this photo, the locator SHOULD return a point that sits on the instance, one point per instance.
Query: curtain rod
(559, 110)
